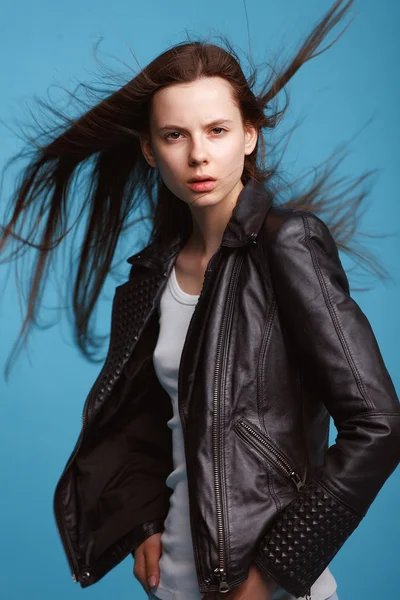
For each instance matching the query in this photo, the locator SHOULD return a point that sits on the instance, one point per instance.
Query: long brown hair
(104, 143)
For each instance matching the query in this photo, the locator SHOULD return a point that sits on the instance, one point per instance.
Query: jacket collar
(246, 220)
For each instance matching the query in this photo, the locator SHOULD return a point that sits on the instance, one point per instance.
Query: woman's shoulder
(284, 221)
(288, 231)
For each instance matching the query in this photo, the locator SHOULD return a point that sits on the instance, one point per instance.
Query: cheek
(232, 149)
(231, 158)
(170, 169)
(168, 159)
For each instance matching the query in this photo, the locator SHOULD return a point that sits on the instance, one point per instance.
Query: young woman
(204, 444)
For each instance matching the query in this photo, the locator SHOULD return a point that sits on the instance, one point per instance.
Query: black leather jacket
(275, 346)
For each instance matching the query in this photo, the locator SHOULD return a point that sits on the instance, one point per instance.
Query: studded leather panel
(132, 305)
(305, 537)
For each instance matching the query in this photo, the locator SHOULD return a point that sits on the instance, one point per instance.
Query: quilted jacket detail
(276, 346)
(300, 544)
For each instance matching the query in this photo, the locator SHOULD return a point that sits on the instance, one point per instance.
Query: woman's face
(196, 129)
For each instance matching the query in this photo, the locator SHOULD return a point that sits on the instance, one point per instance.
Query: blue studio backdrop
(45, 46)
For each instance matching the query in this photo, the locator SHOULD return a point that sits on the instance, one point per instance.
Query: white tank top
(178, 579)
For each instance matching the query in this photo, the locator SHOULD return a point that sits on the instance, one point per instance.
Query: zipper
(220, 571)
(263, 444)
(207, 275)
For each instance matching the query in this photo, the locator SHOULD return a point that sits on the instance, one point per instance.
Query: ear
(147, 151)
(251, 136)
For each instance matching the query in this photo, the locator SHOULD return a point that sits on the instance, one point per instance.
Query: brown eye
(220, 129)
(167, 136)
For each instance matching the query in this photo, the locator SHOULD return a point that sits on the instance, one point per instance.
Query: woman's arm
(335, 341)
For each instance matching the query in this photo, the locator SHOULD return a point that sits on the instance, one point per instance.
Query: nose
(197, 153)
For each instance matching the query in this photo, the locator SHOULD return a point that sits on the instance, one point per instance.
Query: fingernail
(152, 581)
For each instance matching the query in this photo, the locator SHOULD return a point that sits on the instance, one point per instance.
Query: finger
(152, 553)
(139, 568)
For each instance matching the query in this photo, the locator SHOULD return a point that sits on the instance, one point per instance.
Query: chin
(207, 199)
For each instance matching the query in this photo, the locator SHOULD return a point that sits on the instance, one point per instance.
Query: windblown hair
(104, 141)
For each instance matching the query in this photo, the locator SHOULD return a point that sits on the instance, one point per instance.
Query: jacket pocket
(264, 445)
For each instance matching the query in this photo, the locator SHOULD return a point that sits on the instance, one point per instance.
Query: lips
(204, 185)
(198, 179)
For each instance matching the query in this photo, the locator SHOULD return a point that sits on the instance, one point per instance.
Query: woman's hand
(256, 587)
(146, 560)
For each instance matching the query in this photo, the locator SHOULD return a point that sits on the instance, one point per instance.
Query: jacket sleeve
(144, 531)
(334, 339)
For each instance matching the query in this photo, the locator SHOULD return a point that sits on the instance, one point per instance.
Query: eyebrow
(213, 123)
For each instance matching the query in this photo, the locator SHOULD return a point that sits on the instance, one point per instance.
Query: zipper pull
(223, 586)
(308, 594)
(297, 481)
(253, 237)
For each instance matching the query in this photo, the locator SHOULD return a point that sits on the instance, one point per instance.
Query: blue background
(334, 95)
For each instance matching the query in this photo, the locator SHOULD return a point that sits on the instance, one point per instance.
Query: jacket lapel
(133, 304)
